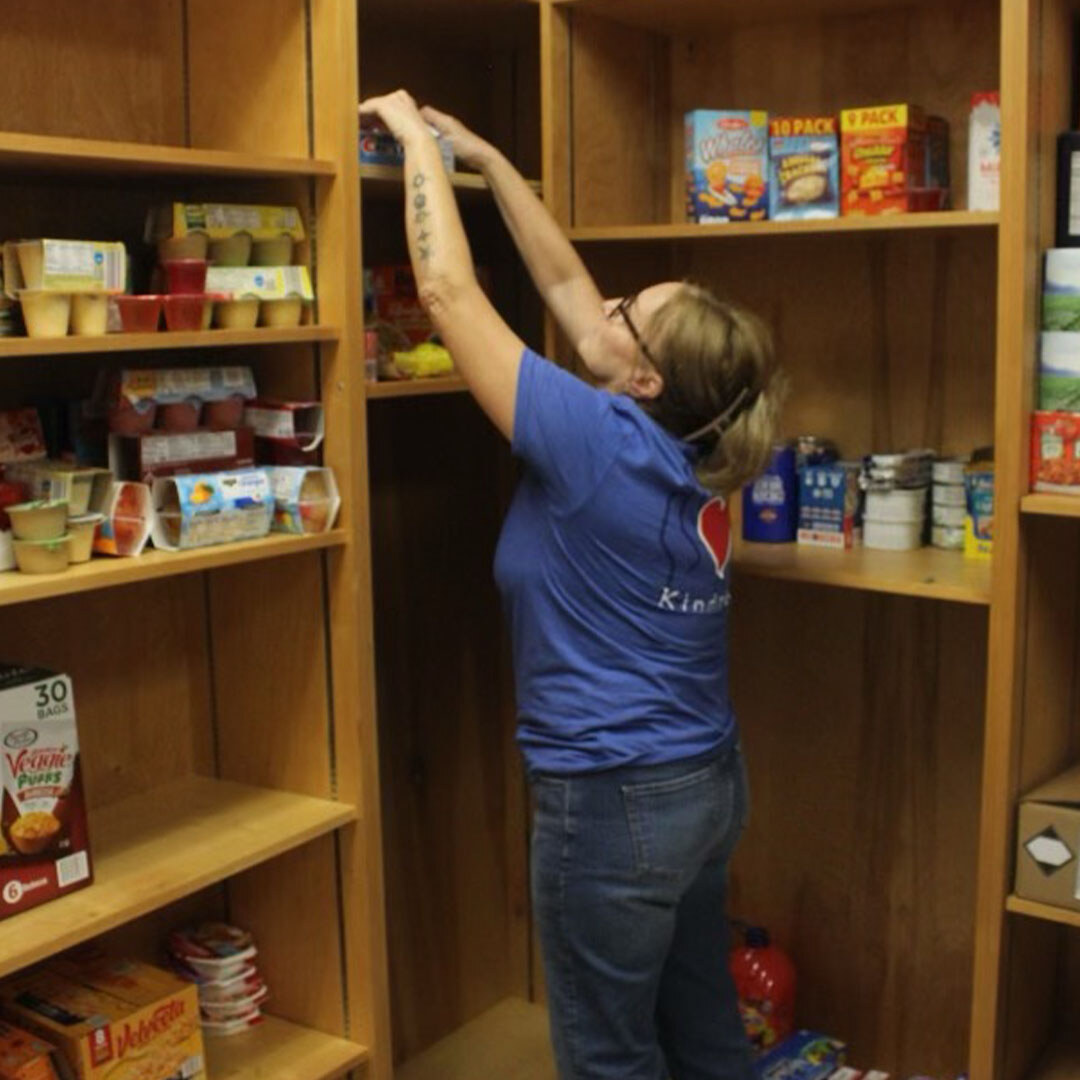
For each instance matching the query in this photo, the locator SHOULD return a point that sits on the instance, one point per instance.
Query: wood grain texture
(555, 112)
(283, 1051)
(862, 720)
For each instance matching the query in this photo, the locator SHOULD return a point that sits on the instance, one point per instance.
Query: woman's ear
(646, 383)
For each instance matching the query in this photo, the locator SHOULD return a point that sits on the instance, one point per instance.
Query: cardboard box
(222, 220)
(211, 508)
(111, 1018)
(804, 168)
(129, 516)
(21, 436)
(265, 282)
(25, 1057)
(86, 489)
(299, 424)
(44, 842)
(68, 266)
(883, 159)
(984, 152)
(1059, 371)
(1048, 842)
(378, 147)
(727, 165)
(805, 1055)
(828, 504)
(167, 453)
(1055, 452)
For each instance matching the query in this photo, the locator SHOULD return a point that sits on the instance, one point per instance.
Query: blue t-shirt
(613, 568)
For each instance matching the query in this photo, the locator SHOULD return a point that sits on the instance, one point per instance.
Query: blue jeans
(629, 876)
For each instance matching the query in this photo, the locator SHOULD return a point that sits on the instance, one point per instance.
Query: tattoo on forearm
(421, 215)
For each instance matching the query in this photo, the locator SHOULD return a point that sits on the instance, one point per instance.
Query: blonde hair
(709, 351)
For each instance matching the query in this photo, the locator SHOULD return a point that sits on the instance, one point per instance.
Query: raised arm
(487, 352)
(560, 276)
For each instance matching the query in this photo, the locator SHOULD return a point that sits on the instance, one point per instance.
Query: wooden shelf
(163, 845)
(163, 339)
(1052, 505)
(928, 573)
(282, 1051)
(1049, 912)
(387, 180)
(104, 572)
(49, 153)
(450, 384)
(510, 1042)
(944, 220)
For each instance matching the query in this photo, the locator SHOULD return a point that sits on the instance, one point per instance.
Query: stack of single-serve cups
(896, 488)
(947, 525)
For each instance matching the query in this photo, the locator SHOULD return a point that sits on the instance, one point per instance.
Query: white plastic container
(90, 313)
(900, 504)
(81, 532)
(948, 537)
(47, 314)
(949, 495)
(949, 471)
(893, 535)
(949, 516)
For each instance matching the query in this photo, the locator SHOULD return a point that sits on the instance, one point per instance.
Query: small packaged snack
(211, 508)
(883, 152)
(306, 499)
(727, 165)
(804, 168)
(829, 504)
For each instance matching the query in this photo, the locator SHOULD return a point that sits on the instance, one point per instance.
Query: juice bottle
(765, 980)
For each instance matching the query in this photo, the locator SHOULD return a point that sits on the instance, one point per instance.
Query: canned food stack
(949, 504)
(220, 960)
(896, 488)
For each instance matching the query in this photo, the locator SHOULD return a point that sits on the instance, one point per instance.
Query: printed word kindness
(672, 599)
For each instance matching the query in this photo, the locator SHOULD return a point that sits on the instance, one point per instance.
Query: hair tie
(744, 399)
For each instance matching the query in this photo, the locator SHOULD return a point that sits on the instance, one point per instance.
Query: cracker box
(805, 1055)
(25, 1057)
(883, 158)
(111, 1018)
(727, 165)
(44, 843)
(804, 168)
(1055, 452)
(984, 152)
(828, 504)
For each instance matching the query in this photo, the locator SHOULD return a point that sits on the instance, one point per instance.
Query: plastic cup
(281, 313)
(43, 519)
(225, 415)
(179, 416)
(186, 276)
(81, 532)
(185, 311)
(90, 313)
(42, 556)
(47, 314)
(139, 314)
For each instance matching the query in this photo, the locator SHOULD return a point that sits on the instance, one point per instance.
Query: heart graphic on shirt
(714, 528)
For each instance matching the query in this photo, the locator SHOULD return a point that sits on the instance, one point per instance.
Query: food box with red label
(168, 453)
(883, 159)
(111, 1018)
(44, 841)
(829, 504)
(21, 436)
(23, 1056)
(727, 165)
(394, 301)
(1055, 452)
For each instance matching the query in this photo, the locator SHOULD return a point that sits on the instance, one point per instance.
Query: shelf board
(449, 384)
(943, 220)
(106, 572)
(1049, 912)
(927, 573)
(164, 339)
(170, 842)
(283, 1051)
(49, 153)
(510, 1042)
(1052, 505)
(388, 180)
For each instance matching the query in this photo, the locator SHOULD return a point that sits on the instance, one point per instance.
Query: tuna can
(892, 535)
(949, 495)
(949, 537)
(950, 516)
(901, 504)
(949, 470)
(771, 502)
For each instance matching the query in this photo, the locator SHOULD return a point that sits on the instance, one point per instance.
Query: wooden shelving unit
(387, 180)
(1048, 912)
(1051, 505)
(283, 1051)
(451, 384)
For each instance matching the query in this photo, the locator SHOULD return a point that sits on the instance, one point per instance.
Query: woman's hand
(468, 147)
(398, 113)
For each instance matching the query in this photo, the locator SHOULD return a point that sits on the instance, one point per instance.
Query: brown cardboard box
(1048, 843)
(143, 458)
(24, 1057)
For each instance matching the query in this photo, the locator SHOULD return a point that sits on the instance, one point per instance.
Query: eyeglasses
(622, 309)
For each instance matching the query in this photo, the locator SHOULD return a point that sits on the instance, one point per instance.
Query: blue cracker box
(727, 165)
(806, 1055)
(804, 168)
(829, 504)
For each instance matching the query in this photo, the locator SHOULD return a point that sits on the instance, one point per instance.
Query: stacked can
(896, 488)
(220, 959)
(949, 504)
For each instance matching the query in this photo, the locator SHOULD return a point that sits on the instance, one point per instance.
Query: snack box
(378, 147)
(394, 300)
(265, 282)
(1055, 452)
(829, 504)
(111, 1018)
(883, 158)
(65, 266)
(44, 842)
(979, 520)
(1048, 842)
(84, 488)
(984, 152)
(128, 518)
(1061, 290)
(1059, 371)
(298, 424)
(21, 436)
(306, 500)
(167, 453)
(727, 165)
(804, 168)
(211, 508)
(222, 220)
(25, 1057)
(805, 1055)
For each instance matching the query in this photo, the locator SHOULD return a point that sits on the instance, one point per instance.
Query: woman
(613, 566)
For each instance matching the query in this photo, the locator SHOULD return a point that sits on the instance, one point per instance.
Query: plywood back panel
(861, 716)
(107, 70)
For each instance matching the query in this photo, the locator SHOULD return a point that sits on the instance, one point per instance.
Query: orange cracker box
(883, 158)
(23, 1057)
(727, 165)
(111, 1018)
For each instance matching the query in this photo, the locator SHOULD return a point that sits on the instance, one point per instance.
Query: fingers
(443, 121)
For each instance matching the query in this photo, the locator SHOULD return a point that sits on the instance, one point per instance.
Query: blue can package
(829, 504)
(771, 502)
(804, 168)
(727, 165)
(806, 1055)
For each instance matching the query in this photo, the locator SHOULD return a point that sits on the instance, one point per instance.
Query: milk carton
(984, 152)
(727, 165)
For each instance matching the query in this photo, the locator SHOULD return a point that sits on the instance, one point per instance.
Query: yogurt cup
(214, 950)
(43, 556)
(238, 314)
(139, 314)
(284, 312)
(81, 532)
(225, 415)
(237, 1009)
(191, 246)
(43, 519)
(89, 313)
(186, 311)
(47, 314)
(186, 277)
(232, 250)
(126, 418)
(949, 495)
(31, 262)
(274, 251)
(179, 416)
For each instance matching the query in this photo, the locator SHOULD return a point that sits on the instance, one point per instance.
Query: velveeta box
(804, 168)
(883, 158)
(727, 165)
(114, 1019)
